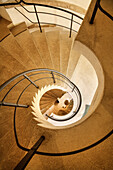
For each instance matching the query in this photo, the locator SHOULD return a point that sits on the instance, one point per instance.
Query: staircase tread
(6, 74)
(45, 106)
(63, 140)
(74, 56)
(65, 46)
(11, 62)
(18, 28)
(26, 42)
(14, 49)
(42, 46)
(47, 99)
(4, 31)
(53, 38)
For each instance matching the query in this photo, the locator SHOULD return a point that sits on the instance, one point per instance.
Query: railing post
(53, 77)
(30, 81)
(94, 12)
(13, 105)
(71, 26)
(23, 163)
(37, 18)
(73, 88)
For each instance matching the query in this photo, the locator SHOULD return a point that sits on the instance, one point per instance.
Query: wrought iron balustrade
(73, 18)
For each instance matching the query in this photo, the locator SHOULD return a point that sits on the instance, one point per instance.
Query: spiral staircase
(38, 69)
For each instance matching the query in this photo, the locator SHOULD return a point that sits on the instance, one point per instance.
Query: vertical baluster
(37, 18)
(71, 26)
(94, 12)
(53, 77)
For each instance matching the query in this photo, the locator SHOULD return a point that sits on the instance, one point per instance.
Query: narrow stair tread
(6, 120)
(53, 40)
(26, 42)
(10, 61)
(46, 105)
(5, 74)
(65, 47)
(25, 131)
(18, 28)
(48, 97)
(43, 110)
(14, 49)
(4, 31)
(74, 56)
(42, 46)
(46, 101)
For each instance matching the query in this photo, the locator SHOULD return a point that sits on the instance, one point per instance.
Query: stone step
(42, 105)
(24, 127)
(43, 110)
(56, 93)
(14, 49)
(6, 120)
(10, 61)
(74, 56)
(24, 38)
(10, 160)
(42, 101)
(47, 95)
(24, 130)
(53, 38)
(4, 32)
(5, 15)
(42, 47)
(6, 143)
(5, 74)
(45, 106)
(65, 46)
(46, 99)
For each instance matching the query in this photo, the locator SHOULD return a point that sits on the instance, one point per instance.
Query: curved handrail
(74, 151)
(33, 70)
(47, 13)
(56, 154)
(36, 4)
(62, 153)
(71, 85)
(26, 3)
(47, 153)
(97, 5)
(49, 22)
(105, 12)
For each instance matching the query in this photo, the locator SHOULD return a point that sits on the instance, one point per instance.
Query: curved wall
(85, 51)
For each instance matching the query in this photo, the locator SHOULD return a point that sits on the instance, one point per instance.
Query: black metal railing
(36, 12)
(98, 6)
(25, 160)
(23, 76)
(71, 19)
(53, 75)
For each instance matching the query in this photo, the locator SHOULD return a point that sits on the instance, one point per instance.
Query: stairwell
(23, 48)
